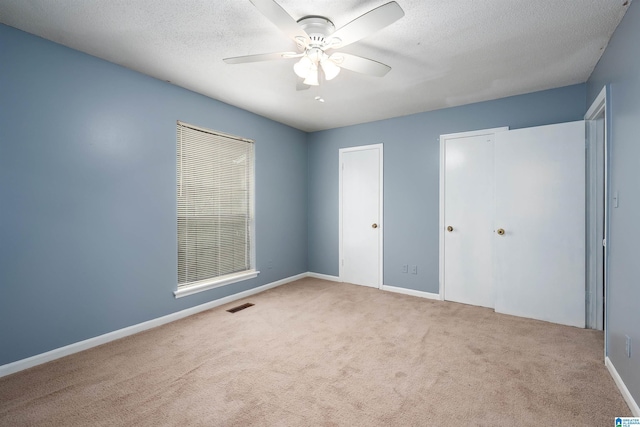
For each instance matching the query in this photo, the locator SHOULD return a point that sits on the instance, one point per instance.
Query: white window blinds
(215, 204)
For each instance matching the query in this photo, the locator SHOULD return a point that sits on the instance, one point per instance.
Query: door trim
(595, 190)
(443, 139)
(380, 209)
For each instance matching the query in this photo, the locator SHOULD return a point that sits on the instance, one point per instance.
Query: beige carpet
(319, 353)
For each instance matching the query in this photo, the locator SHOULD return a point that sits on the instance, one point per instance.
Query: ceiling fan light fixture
(330, 69)
(312, 77)
(303, 67)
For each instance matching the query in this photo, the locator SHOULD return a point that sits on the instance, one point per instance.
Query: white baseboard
(387, 288)
(324, 277)
(411, 292)
(67, 350)
(635, 410)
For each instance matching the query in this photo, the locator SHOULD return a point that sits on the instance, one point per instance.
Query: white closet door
(361, 215)
(540, 204)
(468, 219)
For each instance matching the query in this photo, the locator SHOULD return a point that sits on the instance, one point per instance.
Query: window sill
(204, 285)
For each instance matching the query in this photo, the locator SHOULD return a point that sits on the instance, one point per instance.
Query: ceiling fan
(315, 35)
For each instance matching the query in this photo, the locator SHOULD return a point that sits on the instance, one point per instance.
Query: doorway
(597, 210)
(360, 213)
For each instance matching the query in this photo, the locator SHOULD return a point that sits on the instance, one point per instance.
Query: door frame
(443, 139)
(341, 151)
(597, 189)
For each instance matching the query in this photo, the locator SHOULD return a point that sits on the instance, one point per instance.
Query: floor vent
(240, 307)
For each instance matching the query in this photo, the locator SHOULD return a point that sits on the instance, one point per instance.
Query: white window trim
(217, 282)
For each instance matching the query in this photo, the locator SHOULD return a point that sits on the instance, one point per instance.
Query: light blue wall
(411, 176)
(619, 67)
(87, 195)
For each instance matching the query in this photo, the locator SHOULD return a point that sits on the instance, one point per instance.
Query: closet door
(360, 210)
(540, 223)
(468, 219)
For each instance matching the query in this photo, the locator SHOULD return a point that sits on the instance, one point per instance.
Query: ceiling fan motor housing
(318, 28)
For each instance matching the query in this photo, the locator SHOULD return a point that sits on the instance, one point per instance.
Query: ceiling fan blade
(360, 64)
(261, 57)
(277, 15)
(368, 23)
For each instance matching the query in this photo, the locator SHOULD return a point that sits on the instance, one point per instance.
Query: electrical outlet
(405, 268)
(628, 346)
(414, 269)
(269, 264)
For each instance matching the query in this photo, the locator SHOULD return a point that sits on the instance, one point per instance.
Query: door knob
(501, 231)
(449, 228)
(374, 226)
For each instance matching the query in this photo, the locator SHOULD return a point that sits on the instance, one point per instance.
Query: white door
(468, 218)
(540, 204)
(361, 215)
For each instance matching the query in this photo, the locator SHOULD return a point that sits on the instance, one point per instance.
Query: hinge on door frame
(604, 243)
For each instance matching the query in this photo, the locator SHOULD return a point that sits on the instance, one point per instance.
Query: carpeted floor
(320, 353)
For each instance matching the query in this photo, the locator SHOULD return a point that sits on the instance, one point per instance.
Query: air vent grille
(240, 307)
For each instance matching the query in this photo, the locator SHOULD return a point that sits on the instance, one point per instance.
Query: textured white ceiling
(443, 53)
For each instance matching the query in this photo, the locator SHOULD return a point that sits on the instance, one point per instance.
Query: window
(215, 209)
